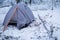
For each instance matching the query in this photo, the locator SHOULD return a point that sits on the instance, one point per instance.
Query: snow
(36, 30)
(47, 14)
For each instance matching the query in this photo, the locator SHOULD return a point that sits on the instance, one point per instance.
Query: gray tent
(21, 14)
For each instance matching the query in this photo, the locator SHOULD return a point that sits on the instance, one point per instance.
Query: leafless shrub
(50, 32)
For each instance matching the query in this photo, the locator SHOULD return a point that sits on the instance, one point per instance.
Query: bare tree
(18, 1)
(30, 1)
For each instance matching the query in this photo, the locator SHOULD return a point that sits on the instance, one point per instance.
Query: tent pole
(9, 20)
(4, 28)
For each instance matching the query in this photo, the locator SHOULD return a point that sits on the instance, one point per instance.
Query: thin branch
(43, 23)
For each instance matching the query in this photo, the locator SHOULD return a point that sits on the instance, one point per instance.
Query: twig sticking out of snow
(43, 23)
(50, 32)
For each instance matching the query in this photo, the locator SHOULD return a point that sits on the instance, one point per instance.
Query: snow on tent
(20, 14)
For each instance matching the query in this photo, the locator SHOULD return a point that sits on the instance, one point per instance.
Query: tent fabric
(19, 13)
(9, 15)
(27, 12)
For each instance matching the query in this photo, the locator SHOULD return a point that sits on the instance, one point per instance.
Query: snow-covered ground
(36, 30)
